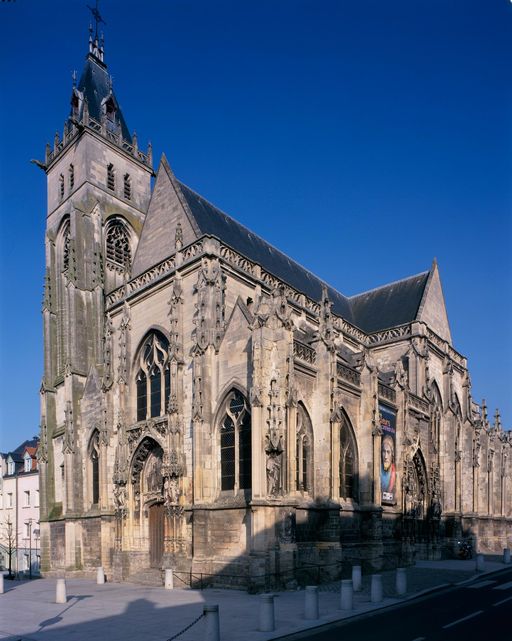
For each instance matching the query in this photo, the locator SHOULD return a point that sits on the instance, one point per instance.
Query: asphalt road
(480, 610)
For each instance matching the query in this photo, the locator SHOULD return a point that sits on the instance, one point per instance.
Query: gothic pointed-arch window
(348, 463)
(127, 187)
(153, 380)
(61, 186)
(118, 245)
(94, 461)
(235, 443)
(111, 178)
(304, 451)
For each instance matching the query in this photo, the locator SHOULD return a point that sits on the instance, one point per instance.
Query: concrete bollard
(100, 576)
(357, 582)
(401, 581)
(1, 582)
(211, 628)
(60, 592)
(480, 563)
(376, 588)
(346, 600)
(169, 579)
(506, 555)
(267, 621)
(311, 602)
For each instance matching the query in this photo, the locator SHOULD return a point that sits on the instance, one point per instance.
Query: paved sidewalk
(127, 612)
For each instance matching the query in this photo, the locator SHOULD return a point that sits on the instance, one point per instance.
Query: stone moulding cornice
(254, 272)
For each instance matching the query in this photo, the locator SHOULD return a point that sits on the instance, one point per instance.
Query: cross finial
(97, 17)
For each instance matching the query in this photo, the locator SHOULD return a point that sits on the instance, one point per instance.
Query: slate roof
(388, 306)
(94, 83)
(215, 222)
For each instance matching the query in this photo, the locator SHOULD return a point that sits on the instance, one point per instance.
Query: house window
(153, 379)
(304, 451)
(61, 186)
(94, 457)
(26, 562)
(118, 245)
(28, 529)
(36, 500)
(26, 498)
(28, 463)
(9, 499)
(71, 174)
(10, 467)
(127, 187)
(348, 467)
(235, 444)
(111, 180)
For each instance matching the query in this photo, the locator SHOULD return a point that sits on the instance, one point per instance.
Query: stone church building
(210, 405)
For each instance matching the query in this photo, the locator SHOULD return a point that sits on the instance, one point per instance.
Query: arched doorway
(416, 498)
(148, 484)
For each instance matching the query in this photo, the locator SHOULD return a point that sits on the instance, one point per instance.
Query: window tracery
(235, 443)
(304, 451)
(153, 379)
(348, 463)
(118, 245)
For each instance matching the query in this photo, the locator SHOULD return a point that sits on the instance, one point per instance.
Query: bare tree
(9, 542)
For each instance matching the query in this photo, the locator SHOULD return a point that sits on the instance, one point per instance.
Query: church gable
(432, 309)
(168, 224)
(235, 347)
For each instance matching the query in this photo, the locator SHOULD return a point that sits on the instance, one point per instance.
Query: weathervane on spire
(97, 17)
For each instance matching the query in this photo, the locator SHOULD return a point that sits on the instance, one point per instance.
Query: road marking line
(503, 586)
(470, 616)
(480, 584)
(502, 601)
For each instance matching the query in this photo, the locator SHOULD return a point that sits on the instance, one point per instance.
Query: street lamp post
(30, 549)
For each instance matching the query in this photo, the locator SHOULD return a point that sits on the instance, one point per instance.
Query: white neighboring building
(19, 508)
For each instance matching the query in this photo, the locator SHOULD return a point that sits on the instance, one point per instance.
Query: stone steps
(152, 577)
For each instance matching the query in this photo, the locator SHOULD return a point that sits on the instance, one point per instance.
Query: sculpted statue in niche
(274, 473)
(154, 473)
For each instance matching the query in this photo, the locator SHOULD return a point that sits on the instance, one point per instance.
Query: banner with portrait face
(388, 480)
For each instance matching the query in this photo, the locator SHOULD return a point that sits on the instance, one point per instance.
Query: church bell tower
(99, 185)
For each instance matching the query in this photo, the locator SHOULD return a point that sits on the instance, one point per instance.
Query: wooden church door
(156, 534)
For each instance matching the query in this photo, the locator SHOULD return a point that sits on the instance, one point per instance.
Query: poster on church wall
(387, 418)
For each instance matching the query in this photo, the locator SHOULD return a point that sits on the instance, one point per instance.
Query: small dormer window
(127, 187)
(111, 179)
(61, 186)
(28, 463)
(71, 171)
(10, 467)
(110, 110)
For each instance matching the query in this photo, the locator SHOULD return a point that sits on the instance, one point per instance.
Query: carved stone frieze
(124, 331)
(209, 317)
(274, 439)
(108, 373)
(69, 430)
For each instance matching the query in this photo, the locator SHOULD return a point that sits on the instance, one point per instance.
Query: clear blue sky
(361, 137)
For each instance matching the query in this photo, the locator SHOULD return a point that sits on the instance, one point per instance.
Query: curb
(398, 602)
